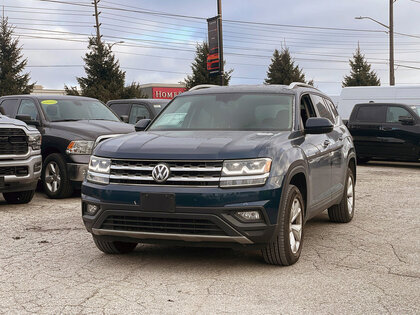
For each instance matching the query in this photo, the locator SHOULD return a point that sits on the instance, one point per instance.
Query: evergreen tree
(200, 75)
(282, 69)
(104, 80)
(360, 73)
(12, 64)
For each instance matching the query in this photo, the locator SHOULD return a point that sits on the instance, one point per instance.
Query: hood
(4, 120)
(91, 129)
(188, 145)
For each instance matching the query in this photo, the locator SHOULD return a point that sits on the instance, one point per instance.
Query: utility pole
(97, 26)
(219, 13)
(391, 43)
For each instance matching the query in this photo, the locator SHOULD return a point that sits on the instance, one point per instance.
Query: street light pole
(219, 13)
(391, 43)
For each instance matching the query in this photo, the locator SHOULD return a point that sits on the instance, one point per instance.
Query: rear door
(365, 126)
(400, 141)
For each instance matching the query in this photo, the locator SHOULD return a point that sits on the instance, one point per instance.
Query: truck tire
(344, 211)
(113, 247)
(19, 197)
(285, 248)
(55, 179)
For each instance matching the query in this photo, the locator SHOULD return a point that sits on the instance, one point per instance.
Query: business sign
(213, 58)
(166, 92)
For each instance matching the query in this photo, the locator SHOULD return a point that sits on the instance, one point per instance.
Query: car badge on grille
(161, 173)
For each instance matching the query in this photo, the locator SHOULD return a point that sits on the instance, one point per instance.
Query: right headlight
(34, 140)
(99, 170)
(252, 172)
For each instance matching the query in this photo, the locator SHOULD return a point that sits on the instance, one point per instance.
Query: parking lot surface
(49, 263)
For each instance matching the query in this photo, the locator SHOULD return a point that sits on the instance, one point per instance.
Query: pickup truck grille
(182, 173)
(161, 225)
(13, 170)
(13, 141)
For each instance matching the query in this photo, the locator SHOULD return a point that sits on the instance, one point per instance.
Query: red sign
(166, 92)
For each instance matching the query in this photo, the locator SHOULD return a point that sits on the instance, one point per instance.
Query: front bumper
(14, 183)
(202, 216)
(77, 172)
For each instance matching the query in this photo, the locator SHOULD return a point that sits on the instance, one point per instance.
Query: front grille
(161, 225)
(183, 173)
(13, 141)
(13, 170)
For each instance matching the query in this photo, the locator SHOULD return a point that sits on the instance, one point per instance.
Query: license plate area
(157, 202)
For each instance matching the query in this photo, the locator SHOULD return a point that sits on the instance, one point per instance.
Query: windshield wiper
(66, 120)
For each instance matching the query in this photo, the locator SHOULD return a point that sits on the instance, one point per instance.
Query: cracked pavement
(49, 263)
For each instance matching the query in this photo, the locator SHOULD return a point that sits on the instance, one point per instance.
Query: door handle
(386, 128)
(326, 143)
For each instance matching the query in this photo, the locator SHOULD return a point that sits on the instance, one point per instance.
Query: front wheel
(286, 247)
(55, 179)
(114, 247)
(344, 211)
(19, 197)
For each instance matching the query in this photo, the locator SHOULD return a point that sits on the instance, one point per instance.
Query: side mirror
(142, 124)
(124, 118)
(406, 120)
(318, 125)
(28, 120)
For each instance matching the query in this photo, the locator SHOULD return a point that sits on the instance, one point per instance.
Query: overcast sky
(160, 49)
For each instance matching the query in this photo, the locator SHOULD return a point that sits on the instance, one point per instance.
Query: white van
(351, 96)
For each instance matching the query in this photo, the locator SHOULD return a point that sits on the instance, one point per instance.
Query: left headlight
(252, 172)
(99, 169)
(35, 141)
(80, 147)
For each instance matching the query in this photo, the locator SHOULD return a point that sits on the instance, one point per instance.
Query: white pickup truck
(20, 160)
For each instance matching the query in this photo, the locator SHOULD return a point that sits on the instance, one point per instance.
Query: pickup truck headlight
(252, 172)
(99, 169)
(34, 141)
(80, 147)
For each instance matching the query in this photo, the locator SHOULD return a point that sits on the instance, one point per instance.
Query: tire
(344, 211)
(112, 247)
(55, 180)
(280, 250)
(19, 197)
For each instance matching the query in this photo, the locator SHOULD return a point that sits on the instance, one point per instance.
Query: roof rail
(294, 85)
(203, 86)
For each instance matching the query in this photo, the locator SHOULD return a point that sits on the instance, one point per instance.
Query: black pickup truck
(386, 131)
(70, 126)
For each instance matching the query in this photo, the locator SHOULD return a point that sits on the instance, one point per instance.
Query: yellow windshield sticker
(49, 102)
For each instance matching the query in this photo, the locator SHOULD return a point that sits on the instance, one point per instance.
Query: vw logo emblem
(161, 173)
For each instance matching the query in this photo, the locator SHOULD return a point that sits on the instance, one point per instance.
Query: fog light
(37, 167)
(249, 215)
(91, 209)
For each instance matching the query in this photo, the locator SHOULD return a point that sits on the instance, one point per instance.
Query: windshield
(73, 109)
(227, 111)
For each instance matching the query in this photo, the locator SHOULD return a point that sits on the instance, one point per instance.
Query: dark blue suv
(242, 166)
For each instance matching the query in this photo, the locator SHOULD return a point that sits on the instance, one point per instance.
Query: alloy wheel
(53, 177)
(350, 195)
(295, 225)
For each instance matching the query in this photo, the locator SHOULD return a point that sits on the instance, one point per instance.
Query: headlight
(35, 141)
(80, 147)
(251, 172)
(99, 169)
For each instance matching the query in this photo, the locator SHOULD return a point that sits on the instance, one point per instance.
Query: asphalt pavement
(49, 263)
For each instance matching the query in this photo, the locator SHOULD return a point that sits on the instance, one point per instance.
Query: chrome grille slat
(185, 173)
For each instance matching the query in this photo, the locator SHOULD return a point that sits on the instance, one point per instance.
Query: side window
(306, 108)
(394, 113)
(9, 107)
(120, 108)
(321, 108)
(138, 112)
(332, 107)
(28, 107)
(370, 113)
